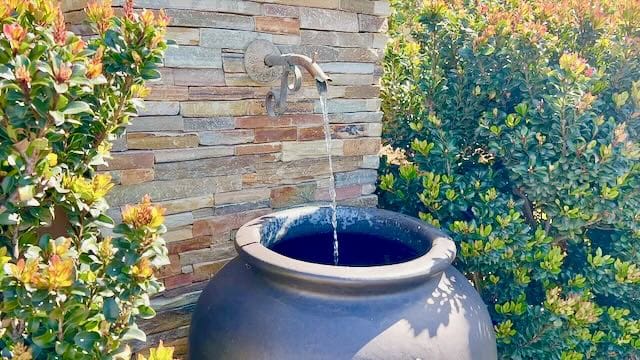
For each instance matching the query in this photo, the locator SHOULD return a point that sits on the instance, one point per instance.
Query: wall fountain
(391, 294)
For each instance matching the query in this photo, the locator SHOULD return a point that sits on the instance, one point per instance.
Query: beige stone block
(310, 149)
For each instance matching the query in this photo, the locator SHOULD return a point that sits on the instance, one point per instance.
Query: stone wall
(205, 149)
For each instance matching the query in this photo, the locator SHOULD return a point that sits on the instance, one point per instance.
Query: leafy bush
(72, 294)
(514, 125)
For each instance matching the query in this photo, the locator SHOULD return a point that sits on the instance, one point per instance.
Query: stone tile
(382, 8)
(205, 19)
(225, 223)
(234, 165)
(193, 57)
(359, 55)
(287, 196)
(297, 171)
(164, 156)
(277, 25)
(161, 140)
(362, 92)
(157, 108)
(357, 177)
(226, 209)
(168, 93)
(233, 63)
(363, 201)
(358, 6)
(173, 189)
(342, 193)
(339, 39)
(226, 137)
(136, 176)
(178, 220)
(156, 123)
(322, 53)
(242, 196)
(353, 79)
(321, 19)
(310, 149)
(183, 36)
(129, 160)
(371, 161)
(280, 10)
(252, 122)
(279, 39)
(329, 4)
(205, 271)
(198, 77)
(187, 204)
(229, 39)
(364, 146)
(222, 108)
(175, 281)
(197, 243)
(212, 123)
(250, 149)
(227, 93)
(350, 105)
(180, 234)
(369, 189)
(347, 68)
(359, 117)
(223, 6)
(275, 134)
(380, 41)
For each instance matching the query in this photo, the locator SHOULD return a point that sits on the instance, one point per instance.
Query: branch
(527, 206)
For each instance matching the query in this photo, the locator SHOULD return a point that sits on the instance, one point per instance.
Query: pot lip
(439, 257)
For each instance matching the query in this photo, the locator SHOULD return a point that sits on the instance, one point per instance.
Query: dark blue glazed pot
(378, 303)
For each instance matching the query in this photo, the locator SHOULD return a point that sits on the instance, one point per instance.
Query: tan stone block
(233, 63)
(292, 195)
(275, 134)
(168, 92)
(328, 4)
(365, 146)
(227, 93)
(182, 233)
(242, 196)
(321, 19)
(370, 23)
(136, 176)
(353, 79)
(310, 149)
(280, 10)
(225, 223)
(277, 25)
(176, 281)
(222, 108)
(198, 77)
(362, 92)
(203, 152)
(205, 271)
(129, 160)
(183, 36)
(342, 193)
(226, 137)
(161, 140)
(172, 269)
(187, 204)
(279, 39)
(200, 242)
(250, 149)
(252, 122)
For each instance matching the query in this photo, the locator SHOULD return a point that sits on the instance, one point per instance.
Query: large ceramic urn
(392, 295)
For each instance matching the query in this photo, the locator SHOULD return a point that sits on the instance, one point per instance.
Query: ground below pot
(393, 295)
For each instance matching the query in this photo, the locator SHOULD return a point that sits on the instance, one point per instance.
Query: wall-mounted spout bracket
(264, 63)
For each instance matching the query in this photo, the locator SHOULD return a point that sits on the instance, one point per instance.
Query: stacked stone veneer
(206, 150)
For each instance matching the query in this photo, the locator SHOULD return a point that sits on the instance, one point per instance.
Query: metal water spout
(264, 63)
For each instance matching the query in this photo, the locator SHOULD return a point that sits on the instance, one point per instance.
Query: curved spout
(306, 62)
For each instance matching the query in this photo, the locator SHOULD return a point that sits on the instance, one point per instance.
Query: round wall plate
(254, 62)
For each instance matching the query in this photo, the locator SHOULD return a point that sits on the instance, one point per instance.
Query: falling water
(322, 89)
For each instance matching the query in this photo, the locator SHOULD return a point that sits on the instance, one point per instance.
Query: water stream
(332, 181)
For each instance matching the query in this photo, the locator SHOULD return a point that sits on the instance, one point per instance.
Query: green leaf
(45, 340)
(77, 107)
(86, 339)
(110, 309)
(134, 334)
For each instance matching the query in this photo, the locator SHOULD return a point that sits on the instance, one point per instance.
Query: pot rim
(440, 255)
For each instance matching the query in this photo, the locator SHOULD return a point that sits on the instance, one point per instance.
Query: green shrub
(514, 125)
(72, 293)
